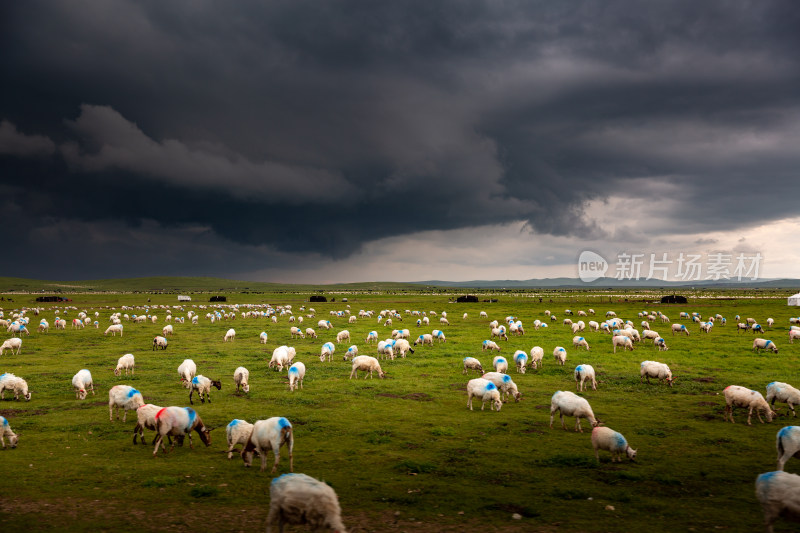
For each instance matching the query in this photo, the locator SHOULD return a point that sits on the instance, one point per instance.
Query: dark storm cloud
(313, 127)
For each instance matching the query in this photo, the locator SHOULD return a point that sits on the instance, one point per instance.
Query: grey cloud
(12, 142)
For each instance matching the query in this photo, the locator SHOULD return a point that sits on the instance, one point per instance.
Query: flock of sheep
(298, 498)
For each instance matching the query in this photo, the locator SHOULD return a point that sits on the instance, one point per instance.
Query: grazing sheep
(5, 431)
(570, 404)
(271, 433)
(351, 352)
(764, 344)
(241, 376)
(126, 362)
(741, 326)
(160, 342)
(11, 344)
(179, 422)
(203, 385)
(521, 360)
(736, 396)
(593, 325)
(788, 444)
(237, 432)
(282, 356)
(167, 330)
(230, 335)
(470, 363)
(679, 328)
(578, 342)
(61, 323)
(296, 332)
(327, 351)
(650, 334)
(483, 314)
(146, 418)
(537, 355)
(438, 335)
(500, 364)
(499, 333)
(604, 438)
(114, 329)
(490, 345)
(756, 327)
(705, 327)
(583, 373)
(296, 374)
(401, 346)
(343, 336)
(655, 370)
(372, 336)
(661, 344)
(123, 397)
(15, 384)
(424, 339)
(301, 499)
(486, 391)
(366, 364)
(187, 370)
(44, 326)
(263, 337)
(505, 385)
(784, 393)
(560, 355)
(779, 495)
(82, 381)
(793, 334)
(622, 340)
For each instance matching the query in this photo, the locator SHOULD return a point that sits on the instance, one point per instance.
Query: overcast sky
(307, 141)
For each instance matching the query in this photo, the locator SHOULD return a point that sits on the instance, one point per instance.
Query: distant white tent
(182, 298)
(794, 300)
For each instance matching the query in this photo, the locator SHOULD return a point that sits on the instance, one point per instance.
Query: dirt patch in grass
(707, 417)
(458, 386)
(10, 413)
(705, 380)
(707, 404)
(388, 395)
(419, 396)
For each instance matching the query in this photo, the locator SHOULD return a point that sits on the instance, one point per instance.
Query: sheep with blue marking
(470, 363)
(5, 431)
(425, 338)
(764, 344)
(560, 355)
(351, 352)
(324, 324)
(784, 393)
(114, 329)
(490, 345)
(302, 500)
(779, 496)
(580, 342)
(500, 364)
(505, 384)
(604, 438)
(679, 328)
(486, 391)
(327, 351)
(241, 376)
(125, 398)
(296, 374)
(788, 444)
(584, 373)
(438, 335)
(202, 385)
(269, 434)
(179, 422)
(237, 432)
(521, 361)
(661, 344)
(160, 342)
(568, 403)
(621, 340)
(296, 332)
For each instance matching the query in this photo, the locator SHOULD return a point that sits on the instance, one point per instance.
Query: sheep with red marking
(269, 434)
(160, 342)
(179, 422)
(82, 381)
(123, 397)
(187, 370)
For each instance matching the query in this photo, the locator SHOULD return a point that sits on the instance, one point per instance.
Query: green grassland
(404, 453)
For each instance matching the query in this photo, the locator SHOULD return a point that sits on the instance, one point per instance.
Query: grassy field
(404, 453)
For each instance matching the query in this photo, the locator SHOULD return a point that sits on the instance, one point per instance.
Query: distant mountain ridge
(614, 283)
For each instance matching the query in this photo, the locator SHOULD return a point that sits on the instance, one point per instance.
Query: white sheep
(438, 335)
(82, 381)
(366, 364)
(499, 333)
(500, 364)
(425, 338)
(622, 340)
(784, 393)
(521, 360)
(444, 321)
(160, 342)
(788, 444)
(5, 431)
(146, 419)
(490, 345)
(584, 373)
(736, 396)
(372, 336)
(351, 352)
(203, 385)
(186, 371)
(44, 326)
(560, 355)
(342, 336)
(655, 370)
(505, 384)
(327, 351)
(167, 330)
(570, 404)
(282, 356)
(310, 333)
(486, 391)
(114, 329)
(11, 344)
(126, 363)
(537, 355)
(237, 432)
(230, 335)
(296, 332)
(764, 344)
(123, 397)
(262, 337)
(269, 434)
(604, 438)
(679, 328)
(15, 384)
(301, 499)
(793, 334)
(470, 363)
(296, 374)
(401, 346)
(650, 334)
(779, 495)
(241, 376)
(483, 314)
(580, 342)
(179, 422)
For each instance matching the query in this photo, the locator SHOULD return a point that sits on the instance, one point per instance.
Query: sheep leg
(191, 391)
(469, 404)
(729, 413)
(578, 424)
(792, 408)
(111, 411)
(353, 372)
(159, 440)
(750, 415)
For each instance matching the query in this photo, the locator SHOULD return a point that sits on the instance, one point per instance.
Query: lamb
(230, 335)
(537, 354)
(11, 344)
(178, 422)
(578, 342)
(237, 432)
(584, 373)
(160, 342)
(5, 431)
(504, 384)
(604, 438)
(351, 352)
(16, 384)
(788, 444)
(126, 362)
(282, 356)
(438, 335)
(271, 433)
(764, 344)
(622, 340)
(342, 336)
(187, 370)
(521, 360)
(490, 345)
(779, 495)
(114, 329)
(81, 381)
(203, 385)
(61, 323)
(241, 376)
(655, 370)
(736, 396)
(500, 364)
(423, 339)
(486, 391)
(123, 397)
(570, 404)
(679, 328)
(560, 355)
(167, 330)
(367, 364)
(661, 344)
(784, 393)
(301, 499)
(327, 350)
(470, 363)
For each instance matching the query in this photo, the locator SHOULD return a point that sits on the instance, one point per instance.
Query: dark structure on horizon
(674, 299)
(317, 298)
(468, 298)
